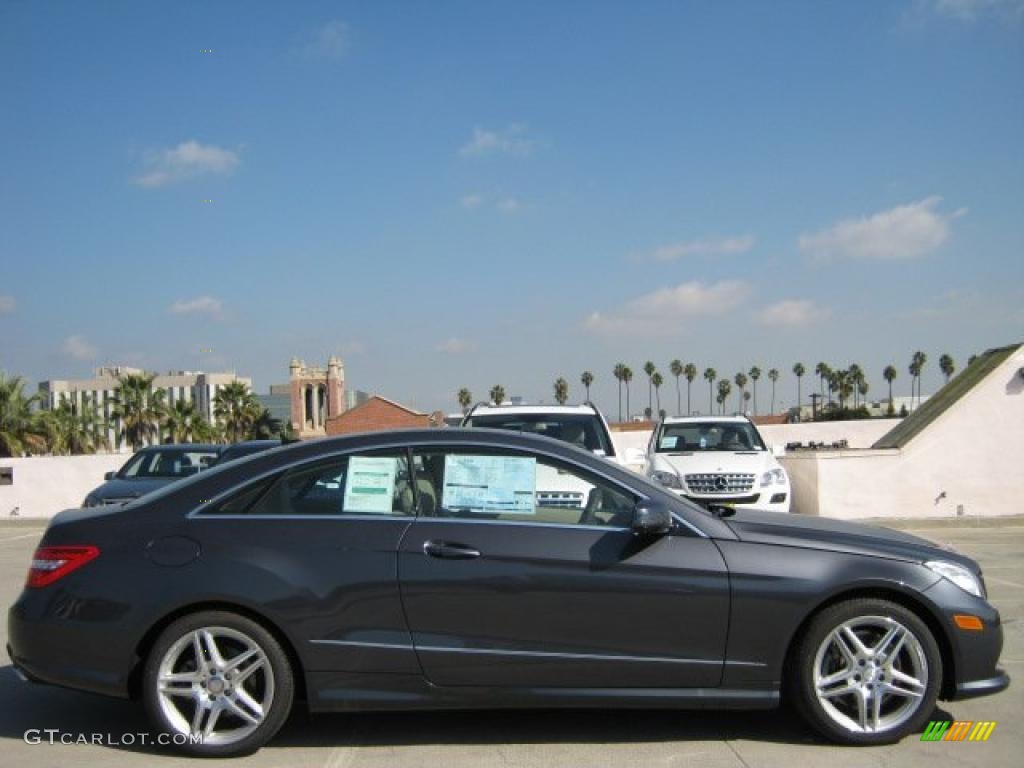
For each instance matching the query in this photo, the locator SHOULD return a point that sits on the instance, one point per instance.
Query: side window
(519, 487)
(366, 484)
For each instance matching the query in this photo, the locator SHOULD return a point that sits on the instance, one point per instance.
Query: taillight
(52, 563)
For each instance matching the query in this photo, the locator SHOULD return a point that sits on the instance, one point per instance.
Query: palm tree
(862, 389)
(918, 361)
(465, 397)
(138, 408)
(617, 373)
(755, 374)
(676, 369)
(497, 394)
(710, 374)
(649, 369)
(822, 371)
(561, 390)
(20, 430)
(889, 374)
(657, 380)
(724, 390)
(586, 379)
(690, 372)
(799, 371)
(78, 429)
(235, 409)
(856, 377)
(741, 387)
(180, 421)
(773, 376)
(947, 366)
(627, 376)
(265, 426)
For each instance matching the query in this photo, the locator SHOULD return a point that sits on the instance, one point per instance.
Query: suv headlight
(668, 479)
(91, 501)
(773, 476)
(959, 575)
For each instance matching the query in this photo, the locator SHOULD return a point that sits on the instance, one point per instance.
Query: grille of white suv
(719, 482)
(559, 499)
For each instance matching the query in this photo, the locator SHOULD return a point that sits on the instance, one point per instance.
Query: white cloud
(330, 41)
(511, 141)
(661, 312)
(78, 348)
(969, 10)
(720, 246)
(471, 201)
(455, 346)
(792, 313)
(7, 305)
(903, 232)
(200, 305)
(509, 205)
(186, 161)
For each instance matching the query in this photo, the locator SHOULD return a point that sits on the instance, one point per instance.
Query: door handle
(449, 551)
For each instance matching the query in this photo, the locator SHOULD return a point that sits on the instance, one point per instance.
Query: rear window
(582, 430)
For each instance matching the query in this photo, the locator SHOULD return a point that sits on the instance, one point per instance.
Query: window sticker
(370, 484)
(669, 441)
(502, 484)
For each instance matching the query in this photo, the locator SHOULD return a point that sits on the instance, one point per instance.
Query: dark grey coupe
(419, 569)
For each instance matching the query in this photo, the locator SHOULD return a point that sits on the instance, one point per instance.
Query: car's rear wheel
(867, 671)
(217, 684)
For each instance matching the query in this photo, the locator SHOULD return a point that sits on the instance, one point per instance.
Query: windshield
(582, 430)
(695, 436)
(167, 462)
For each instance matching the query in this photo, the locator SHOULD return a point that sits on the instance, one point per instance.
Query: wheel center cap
(215, 685)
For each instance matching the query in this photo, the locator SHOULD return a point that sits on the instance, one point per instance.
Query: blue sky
(468, 193)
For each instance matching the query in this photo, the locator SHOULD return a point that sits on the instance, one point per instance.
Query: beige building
(191, 386)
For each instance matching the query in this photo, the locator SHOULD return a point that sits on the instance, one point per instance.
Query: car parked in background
(718, 460)
(422, 569)
(151, 468)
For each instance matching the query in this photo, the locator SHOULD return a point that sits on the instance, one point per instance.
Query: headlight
(90, 501)
(773, 476)
(959, 575)
(668, 479)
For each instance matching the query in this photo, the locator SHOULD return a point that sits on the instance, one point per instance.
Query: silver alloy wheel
(215, 683)
(870, 674)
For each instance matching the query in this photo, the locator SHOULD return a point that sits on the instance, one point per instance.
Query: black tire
(283, 683)
(801, 673)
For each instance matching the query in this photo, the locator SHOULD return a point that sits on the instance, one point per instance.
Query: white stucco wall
(969, 459)
(45, 485)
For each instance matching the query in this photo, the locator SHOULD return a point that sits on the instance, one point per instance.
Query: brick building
(375, 414)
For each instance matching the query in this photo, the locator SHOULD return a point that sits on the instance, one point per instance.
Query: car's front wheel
(217, 684)
(867, 671)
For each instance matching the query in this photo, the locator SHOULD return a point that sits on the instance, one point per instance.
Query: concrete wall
(969, 461)
(859, 434)
(45, 485)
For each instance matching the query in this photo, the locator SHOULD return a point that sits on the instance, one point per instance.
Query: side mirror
(651, 518)
(778, 451)
(109, 475)
(635, 456)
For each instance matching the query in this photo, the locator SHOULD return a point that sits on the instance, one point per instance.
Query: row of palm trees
(837, 385)
(139, 414)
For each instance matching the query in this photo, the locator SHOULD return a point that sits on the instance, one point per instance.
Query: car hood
(838, 536)
(130, 488)
(703, 462)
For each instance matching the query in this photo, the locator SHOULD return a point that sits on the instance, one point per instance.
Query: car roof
(252, 443)
(705, 419)
(182, 447)
(525, 409)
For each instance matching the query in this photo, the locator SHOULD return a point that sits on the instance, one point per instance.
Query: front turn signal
(968, 622)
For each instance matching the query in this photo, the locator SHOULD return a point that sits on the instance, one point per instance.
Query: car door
(521, 570)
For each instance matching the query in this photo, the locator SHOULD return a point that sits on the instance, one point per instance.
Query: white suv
(579, 425)
(717, 460)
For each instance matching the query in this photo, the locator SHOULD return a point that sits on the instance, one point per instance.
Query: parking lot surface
(529, 738)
